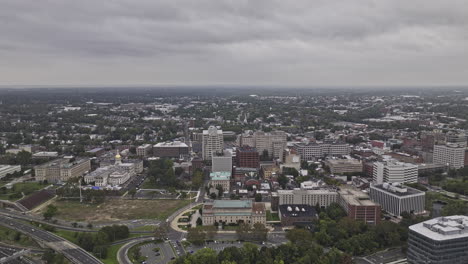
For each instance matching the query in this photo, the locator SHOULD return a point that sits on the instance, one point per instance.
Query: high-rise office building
(212, 142)
(442, 240)
(247, 157)
(274, 143)
(394, 171)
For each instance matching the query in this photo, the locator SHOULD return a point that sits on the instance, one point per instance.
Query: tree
(455, 208)
(199, 221)
(24, 158)
(258, 197)
(160, 232)
(197, 179)
(283, 180)
(196, 236)
(259, 232)
(132, 192)
(50, 212)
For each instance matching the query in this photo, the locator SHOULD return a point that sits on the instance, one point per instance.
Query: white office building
(451, 154)
(396, 199)
(221, 161)
(323, 197)
(442, 240)
(314, 151)
(394, 171)
(212, 141)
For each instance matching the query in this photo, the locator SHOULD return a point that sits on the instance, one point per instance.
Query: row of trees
(302, 249)
(98, 243)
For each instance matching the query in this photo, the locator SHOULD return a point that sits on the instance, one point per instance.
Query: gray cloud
(319, 42)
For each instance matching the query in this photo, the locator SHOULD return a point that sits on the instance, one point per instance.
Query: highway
(71, 251)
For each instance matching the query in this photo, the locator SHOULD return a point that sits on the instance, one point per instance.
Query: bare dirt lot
(115, 210)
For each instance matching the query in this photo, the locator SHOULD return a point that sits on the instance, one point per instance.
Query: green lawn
(68, 235)
(272, 216)
(12, 237)
(112, 254)
(15, 193)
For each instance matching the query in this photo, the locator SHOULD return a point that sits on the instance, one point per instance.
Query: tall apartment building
(394, 171)
(247, 157)
(144, 151)
(442, 240)
(274, 143)
(212, 141)
(313, 151)
(170, 149)
(62, 169)
(358, 206)
(451, 154)
(221, 161)
(323, 197)
(396, 199)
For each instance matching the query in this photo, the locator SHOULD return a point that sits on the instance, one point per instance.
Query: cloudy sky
(234, 42)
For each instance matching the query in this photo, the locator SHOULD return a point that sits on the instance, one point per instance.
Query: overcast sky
(236, 42)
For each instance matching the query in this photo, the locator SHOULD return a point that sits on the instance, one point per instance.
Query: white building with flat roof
(441, 240)
(323, 197)
(396, 199)
(450, 154)
(212, 141)
(394, 171)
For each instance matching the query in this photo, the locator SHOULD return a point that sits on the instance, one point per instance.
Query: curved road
(71, 251)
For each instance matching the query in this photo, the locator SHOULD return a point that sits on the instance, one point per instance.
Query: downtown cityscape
(233, 132)
(191, 175)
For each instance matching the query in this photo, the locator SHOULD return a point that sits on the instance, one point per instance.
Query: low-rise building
(442, 240)
(221, 178)
(323, 197)
(341, 166)
(144, 151)
(170, 149)
(296, 214)
(62, 169)
(233, 211)
(396, 199)
(358, 205)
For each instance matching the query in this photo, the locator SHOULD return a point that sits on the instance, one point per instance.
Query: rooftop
(397, 189)
(443, 228)
(297, 210)
(355, 197)
(220, 175)
(175, 144)
(232, 204)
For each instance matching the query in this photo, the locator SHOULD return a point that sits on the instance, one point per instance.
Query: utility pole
(81, 196)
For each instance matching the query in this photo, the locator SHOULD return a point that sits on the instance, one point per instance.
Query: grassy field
(272, 216)
(115, 210)
(112, 254)
(10, 237)
(15, 193)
